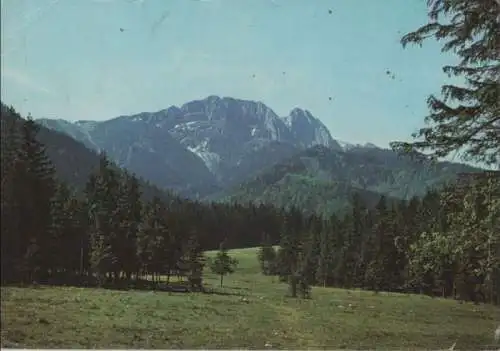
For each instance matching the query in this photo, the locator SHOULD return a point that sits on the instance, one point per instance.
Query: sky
(99, 59)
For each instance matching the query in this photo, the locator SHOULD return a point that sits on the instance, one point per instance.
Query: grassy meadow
(250, 311)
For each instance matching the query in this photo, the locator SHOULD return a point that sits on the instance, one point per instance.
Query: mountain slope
(324, 180)
(73, 161)
(206, 148)
(309, 194)
(204, 145)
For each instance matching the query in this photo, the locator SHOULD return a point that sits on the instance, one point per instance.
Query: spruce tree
(466, 117)
(223, 264)
(195, 260)
(327, 246)
(267, 257)
(101, 191)
(37, 176)
(130, 217)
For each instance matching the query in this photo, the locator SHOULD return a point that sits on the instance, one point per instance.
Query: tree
(65, 234)
(101, 192)
(130, 215)
(223, 264)
(152, 238)
(290, 247)
(466, 118)
(12, 243)
(327, 246)
(37, 178)
(267, 257)
(195, 261)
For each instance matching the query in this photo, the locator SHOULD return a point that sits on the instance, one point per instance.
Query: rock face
(308, 130)
(202, 146)
(221, 130)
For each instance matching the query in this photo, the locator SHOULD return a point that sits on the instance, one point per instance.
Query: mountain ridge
(323, 181)
(208, 148)
(72, 160)
(202, 145)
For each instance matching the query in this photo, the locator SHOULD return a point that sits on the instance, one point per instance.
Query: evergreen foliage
(466, 117)
(223, 264)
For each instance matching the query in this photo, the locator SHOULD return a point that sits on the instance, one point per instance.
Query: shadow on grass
(135, 285)
(237, 288)
(222, 293)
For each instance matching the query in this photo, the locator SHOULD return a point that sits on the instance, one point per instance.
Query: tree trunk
(221, 279)
(292, 285)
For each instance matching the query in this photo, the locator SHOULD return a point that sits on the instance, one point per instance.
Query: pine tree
(37, 177)
(356, 238)
(379, 270)
(12, 239)
(195, 262)
(223, 264)
(267, 256)
(327, 246)
(152, 240)
(467, 118)
(101, 196)
(62, 234)
(290, 248)
(306, 265)
(130, 217)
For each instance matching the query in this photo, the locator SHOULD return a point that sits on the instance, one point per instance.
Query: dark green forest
(55, 229)
(108, 233)
(444, 244)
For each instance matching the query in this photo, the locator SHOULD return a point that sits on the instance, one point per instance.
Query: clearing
(251, 311)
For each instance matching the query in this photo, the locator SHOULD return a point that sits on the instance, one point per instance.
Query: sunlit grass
(251, 311)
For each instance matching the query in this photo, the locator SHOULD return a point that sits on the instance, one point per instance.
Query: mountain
(72, 160)
(141, 146)
(324, 180)
(205, 145)
(226, 149)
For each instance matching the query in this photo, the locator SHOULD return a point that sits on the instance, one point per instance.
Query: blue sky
(70, 59)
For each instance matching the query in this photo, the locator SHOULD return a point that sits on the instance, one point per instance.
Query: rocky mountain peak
(298, 113)
(216, 139)
(308, 130)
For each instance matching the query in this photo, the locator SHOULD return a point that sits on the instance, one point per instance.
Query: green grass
(58, 317)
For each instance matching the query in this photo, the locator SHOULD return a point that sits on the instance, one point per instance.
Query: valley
(222, 174)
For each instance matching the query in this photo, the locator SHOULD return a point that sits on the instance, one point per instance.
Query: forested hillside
(73, 162)
(322, 180)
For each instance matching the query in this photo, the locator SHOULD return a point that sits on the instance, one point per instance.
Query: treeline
(110, 232)
(445, 244)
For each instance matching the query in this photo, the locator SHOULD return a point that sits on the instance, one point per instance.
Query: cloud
(23, 80)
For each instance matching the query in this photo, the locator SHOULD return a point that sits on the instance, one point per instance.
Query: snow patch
(211, 159)
(345, 145)
(348, 146)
